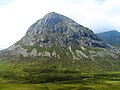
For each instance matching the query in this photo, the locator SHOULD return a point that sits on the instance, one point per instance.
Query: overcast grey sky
(17, 15)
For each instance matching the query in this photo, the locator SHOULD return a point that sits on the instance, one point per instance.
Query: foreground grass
(32, 75)
(72, 85)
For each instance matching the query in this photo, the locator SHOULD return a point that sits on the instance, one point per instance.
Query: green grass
(73, 85)
(21, 76)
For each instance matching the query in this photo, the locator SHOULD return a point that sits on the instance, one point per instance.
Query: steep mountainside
(110, 37)
(56, 30)
(56, 39)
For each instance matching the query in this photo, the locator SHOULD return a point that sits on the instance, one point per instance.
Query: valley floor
(32, 75)
(69, 85)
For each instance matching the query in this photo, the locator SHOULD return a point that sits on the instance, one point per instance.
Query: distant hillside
(110, 37)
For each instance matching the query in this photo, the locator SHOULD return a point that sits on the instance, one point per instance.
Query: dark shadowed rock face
(56, 29)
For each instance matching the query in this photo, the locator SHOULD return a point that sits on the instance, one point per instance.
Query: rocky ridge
(110, 37)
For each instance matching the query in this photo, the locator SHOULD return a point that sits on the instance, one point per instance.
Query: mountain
(56, 36)
(55, 30)
(110, 37)
(57, 48)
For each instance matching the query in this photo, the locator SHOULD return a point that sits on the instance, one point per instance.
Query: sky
(16, 16)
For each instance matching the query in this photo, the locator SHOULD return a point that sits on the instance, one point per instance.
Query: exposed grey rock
(13, 47)
(80, 53)
(39, 54)
(22, 51)
(56, 29)
(93, 54)
(74, 57)
(58, 56)
(17, 50)
(83, 48)
(46, 54)
(33, 52)
(54, 54)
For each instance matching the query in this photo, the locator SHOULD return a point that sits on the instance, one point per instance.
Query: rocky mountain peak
(54, 18)
(55, 30)
(49, 22)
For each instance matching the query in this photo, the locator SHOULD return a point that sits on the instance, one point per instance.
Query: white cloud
(17, 16)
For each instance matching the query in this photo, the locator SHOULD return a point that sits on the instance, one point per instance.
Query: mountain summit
(56, 29)
(54, 18)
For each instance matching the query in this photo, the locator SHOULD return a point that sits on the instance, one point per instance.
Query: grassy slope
(58, 74)
(104, 85)
(54, 78)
